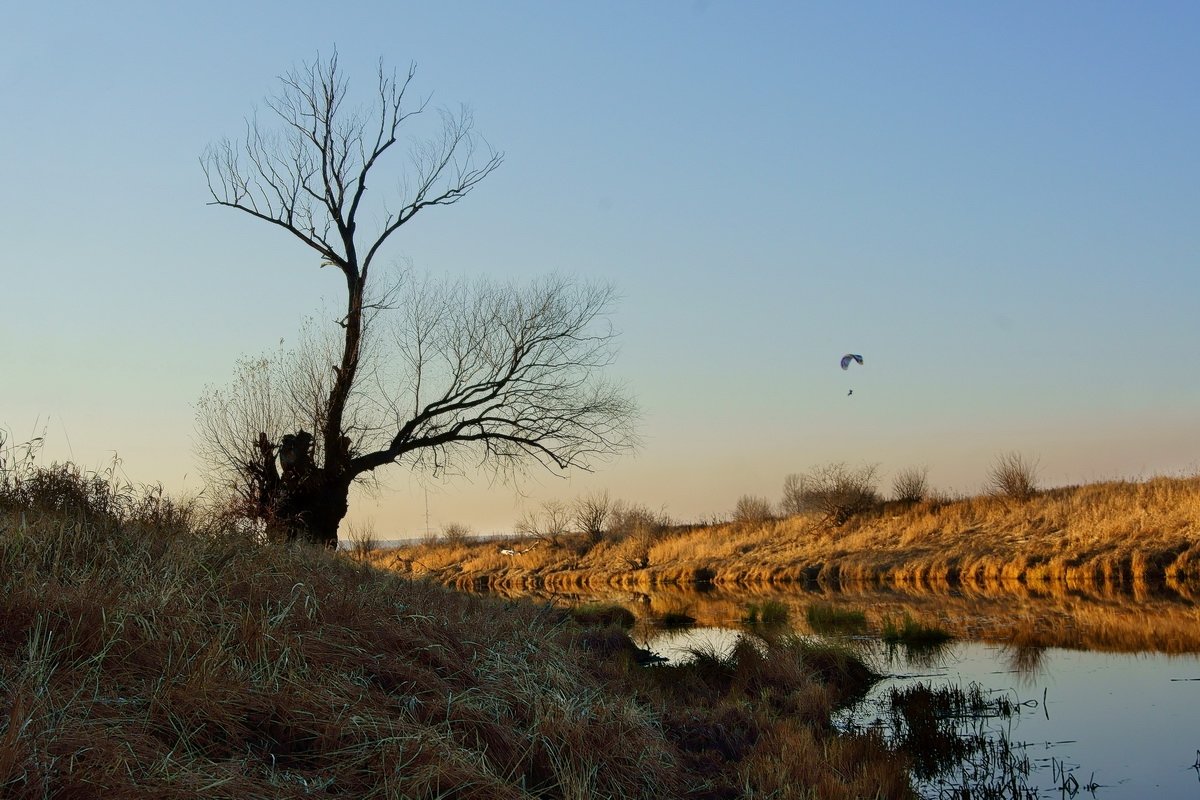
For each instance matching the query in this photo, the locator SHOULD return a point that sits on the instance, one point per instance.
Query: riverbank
(149, 652)
(1119, 536)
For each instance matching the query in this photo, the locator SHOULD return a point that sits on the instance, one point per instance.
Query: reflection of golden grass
(1010, 614)
(1126, 537)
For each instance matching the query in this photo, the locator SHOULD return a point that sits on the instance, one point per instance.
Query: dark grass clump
(768, 612)
(827, 618)
(911, 632)
(603, 615)
(677, 616)
(756, 721)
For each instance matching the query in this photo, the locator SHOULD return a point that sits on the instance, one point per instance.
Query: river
(1103, 690)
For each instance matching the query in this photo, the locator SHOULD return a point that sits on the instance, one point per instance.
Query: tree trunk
(313, 510)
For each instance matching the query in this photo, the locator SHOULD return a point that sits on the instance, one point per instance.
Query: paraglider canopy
(846, 359)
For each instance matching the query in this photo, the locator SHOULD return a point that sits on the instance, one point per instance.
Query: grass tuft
(602, 615)
(767, 612)
(828, 618)
(909, 631)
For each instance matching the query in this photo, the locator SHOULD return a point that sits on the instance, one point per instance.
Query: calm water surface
(1127, 722)
(1124, 721)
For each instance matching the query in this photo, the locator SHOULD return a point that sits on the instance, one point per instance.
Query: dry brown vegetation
(1114, 536)
(147, 651)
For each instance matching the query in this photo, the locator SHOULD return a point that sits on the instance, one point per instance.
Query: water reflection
(1027, 662)
(1105, 689)
(679, 645)
(947, 734)
(931, 655)
(1165, 623)
(1122, 725)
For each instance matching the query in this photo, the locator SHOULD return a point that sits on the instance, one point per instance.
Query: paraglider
(846, 359)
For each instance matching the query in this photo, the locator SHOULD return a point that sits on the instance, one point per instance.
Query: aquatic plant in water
(946, 734)
(768, 612)
(827, 618)
(913, 632)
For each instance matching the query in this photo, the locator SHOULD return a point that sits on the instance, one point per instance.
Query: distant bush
(1013, 476)
(751, 510)
(678, 615)
(911, 484)
(548, 524)
(100, 498)
(592, 514)
(456, 534)
(835, 491)
(636, 520)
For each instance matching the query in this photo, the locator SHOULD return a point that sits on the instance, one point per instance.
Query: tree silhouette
(431, 374)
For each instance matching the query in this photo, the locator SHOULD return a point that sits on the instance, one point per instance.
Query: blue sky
(996, 204)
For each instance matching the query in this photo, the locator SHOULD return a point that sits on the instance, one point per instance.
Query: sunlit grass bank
(147, 651)
(1123, 535)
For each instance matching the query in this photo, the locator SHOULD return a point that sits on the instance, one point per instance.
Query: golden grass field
(1124, 536)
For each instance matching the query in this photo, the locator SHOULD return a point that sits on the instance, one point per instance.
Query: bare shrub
(752, 510)
(548, 524)
(634, 520)
(591, 515)
(835, 491)
(456, 534)
(911, 484)
(1013, 476)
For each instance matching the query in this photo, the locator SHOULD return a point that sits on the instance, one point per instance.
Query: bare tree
(478, 373)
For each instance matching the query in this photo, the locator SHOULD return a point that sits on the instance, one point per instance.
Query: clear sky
(997, 204)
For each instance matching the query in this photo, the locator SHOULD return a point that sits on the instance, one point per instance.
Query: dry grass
(1121, 535)
(146, 652)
